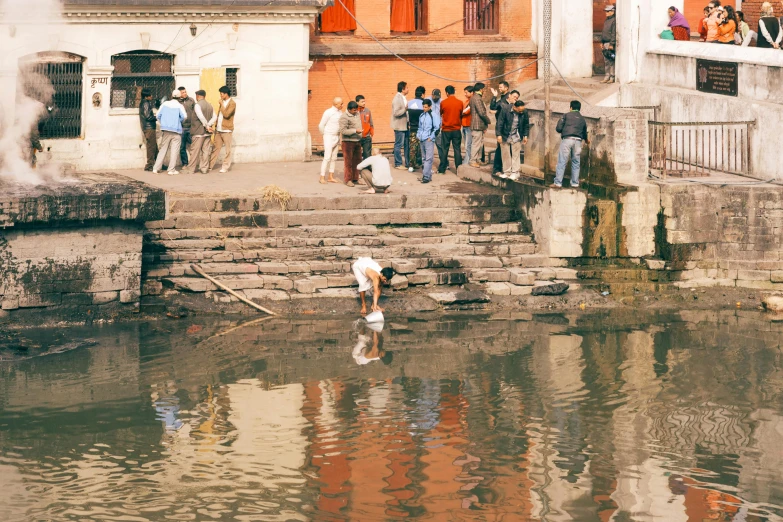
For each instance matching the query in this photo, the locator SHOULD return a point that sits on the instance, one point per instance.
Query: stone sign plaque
(717, 77)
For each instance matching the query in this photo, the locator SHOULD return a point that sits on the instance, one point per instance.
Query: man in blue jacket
(426, 135)
(170, 115)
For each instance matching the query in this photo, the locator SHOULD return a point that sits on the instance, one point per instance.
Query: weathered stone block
(773, 303)
(655, 264)
(255, 294)
(320, 282)
(10, 302)
(105, 297)
(478, 262)
(298, 267)
(304, 286)
(228, 268)
(422, 277)
(451, 278)
(399, 282)
(338, 292)
(130, 296)
(341, 280)
(498, 288)
(344, 252)
(278, 283)
(151, 288)
(403, 266)
(520, 289)
(753, 275)
(522, 278)
(76, 299)
(272, 268)
(460, 297)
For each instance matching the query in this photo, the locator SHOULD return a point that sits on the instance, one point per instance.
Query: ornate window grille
(137, 70)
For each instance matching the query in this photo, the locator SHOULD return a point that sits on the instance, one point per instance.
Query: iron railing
(59, 87)
(696, 149)
(481, 17)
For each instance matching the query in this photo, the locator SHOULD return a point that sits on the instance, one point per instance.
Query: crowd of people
(724, 25)
(421, 126)
(192, 131)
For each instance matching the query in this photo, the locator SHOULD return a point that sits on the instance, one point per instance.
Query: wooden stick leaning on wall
(227, 289)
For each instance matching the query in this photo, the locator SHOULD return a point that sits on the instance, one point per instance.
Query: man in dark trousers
(498, 104)
(190, 109)
(368, 128)
(573, 131)
(415, 109)
(609, 43)
(512, 129)
(148, 127)
(451, 133)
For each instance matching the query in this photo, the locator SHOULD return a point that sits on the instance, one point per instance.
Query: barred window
(482, 17)
(137, 70)
(55, 79)
(232, 74)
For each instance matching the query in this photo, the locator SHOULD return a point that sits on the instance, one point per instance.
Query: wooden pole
(227, 289)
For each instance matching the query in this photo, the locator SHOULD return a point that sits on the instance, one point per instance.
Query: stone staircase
(266, 253)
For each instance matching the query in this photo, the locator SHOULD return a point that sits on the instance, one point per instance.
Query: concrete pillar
(572, 36)
(638, 23)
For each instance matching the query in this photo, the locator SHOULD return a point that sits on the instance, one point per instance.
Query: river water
(626, 417)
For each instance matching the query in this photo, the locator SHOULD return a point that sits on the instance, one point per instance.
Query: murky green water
(676, 418)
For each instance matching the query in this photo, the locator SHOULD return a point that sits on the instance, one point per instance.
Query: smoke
(24, 22)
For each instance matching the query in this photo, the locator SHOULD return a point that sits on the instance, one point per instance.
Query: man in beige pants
(201, 129)
(225, 129)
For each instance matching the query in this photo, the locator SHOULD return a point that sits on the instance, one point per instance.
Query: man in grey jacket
(573, 131)
(478, 124)
(201, 129)
(399, 124)
(351, 133)
(609, 43)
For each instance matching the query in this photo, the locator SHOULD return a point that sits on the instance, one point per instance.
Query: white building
(99, 54)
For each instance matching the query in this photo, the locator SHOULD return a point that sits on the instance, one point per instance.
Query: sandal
(350, 184)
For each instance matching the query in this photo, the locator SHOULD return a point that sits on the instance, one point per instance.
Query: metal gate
(64, 108)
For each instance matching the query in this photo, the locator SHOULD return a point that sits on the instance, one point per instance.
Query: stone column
(572, 36)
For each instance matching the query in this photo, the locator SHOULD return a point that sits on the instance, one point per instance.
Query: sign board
(717, 77)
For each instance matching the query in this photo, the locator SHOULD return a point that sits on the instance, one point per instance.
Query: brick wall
(376, 79)
(752, 10)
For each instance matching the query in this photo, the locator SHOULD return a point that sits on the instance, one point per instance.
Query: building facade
(98, 55)
(455, 42)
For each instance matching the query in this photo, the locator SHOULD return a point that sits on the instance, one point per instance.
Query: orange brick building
(462, 40)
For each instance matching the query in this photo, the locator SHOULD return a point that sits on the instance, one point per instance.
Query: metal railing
(694, 149)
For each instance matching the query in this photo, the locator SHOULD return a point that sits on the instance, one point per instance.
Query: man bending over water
(371, 276)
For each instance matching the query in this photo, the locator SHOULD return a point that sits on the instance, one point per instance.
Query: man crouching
(371, 276)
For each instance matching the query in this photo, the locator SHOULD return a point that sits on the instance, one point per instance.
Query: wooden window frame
(495, 30)
(424, 20)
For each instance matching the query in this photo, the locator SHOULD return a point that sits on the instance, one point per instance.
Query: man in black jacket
(498, 104)
(609, 43)
(148, 127)
(573, 131)
(512, 129)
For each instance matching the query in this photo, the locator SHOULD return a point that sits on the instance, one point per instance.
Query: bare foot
(322, 180)
(369, 191)
(332, 180)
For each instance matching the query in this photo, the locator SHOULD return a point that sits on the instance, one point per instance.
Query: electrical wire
(224, 11)
(428, 73)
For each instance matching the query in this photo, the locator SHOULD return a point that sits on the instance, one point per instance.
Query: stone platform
(75, 243)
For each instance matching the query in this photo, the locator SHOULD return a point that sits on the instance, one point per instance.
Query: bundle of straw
(273, 193)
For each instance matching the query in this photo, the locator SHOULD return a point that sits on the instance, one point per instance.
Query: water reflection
(474, 417)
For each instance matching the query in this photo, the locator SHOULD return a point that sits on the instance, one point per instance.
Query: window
(231, 80)
(338, 19)
(139, 70)
(481, 16)
(409, 16)
(55, 79)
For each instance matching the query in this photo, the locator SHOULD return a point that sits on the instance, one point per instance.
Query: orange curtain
(403, 16)
(336, 19)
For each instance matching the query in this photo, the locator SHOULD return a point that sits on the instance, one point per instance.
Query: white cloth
(203, 120)
(360, 267)
(330, 122)
(381, 170)
(220, 116)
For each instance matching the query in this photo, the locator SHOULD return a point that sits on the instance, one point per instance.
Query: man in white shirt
(363, 353)
(330, 129)
(379, 179)
(371, 276)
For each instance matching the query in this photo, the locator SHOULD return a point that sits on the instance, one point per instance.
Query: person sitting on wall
(679, 25)
(371, 276)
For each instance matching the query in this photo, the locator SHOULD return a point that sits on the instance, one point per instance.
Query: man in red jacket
(451, 133)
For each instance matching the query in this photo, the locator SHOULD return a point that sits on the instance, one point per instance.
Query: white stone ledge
(718, 52)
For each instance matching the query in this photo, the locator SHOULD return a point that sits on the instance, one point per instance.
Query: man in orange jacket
(368, 129)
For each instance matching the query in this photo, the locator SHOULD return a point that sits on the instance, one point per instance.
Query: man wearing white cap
(170, 115)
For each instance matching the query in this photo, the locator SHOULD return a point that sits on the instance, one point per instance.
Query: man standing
(609, 43)
(436, 101)
(478, 124)
(415, 109)
(467, 134)
(451, 119)
(498, 104)
(371, 276)
(201, 129)
(399, 124)
(351, 133)
(225, 129)
(379, 179)
(148, 128)
(426, 136)
(189, 105)
(170, 115)
(512, 128)
(573, 131)
(368, 129)
(330, 129)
